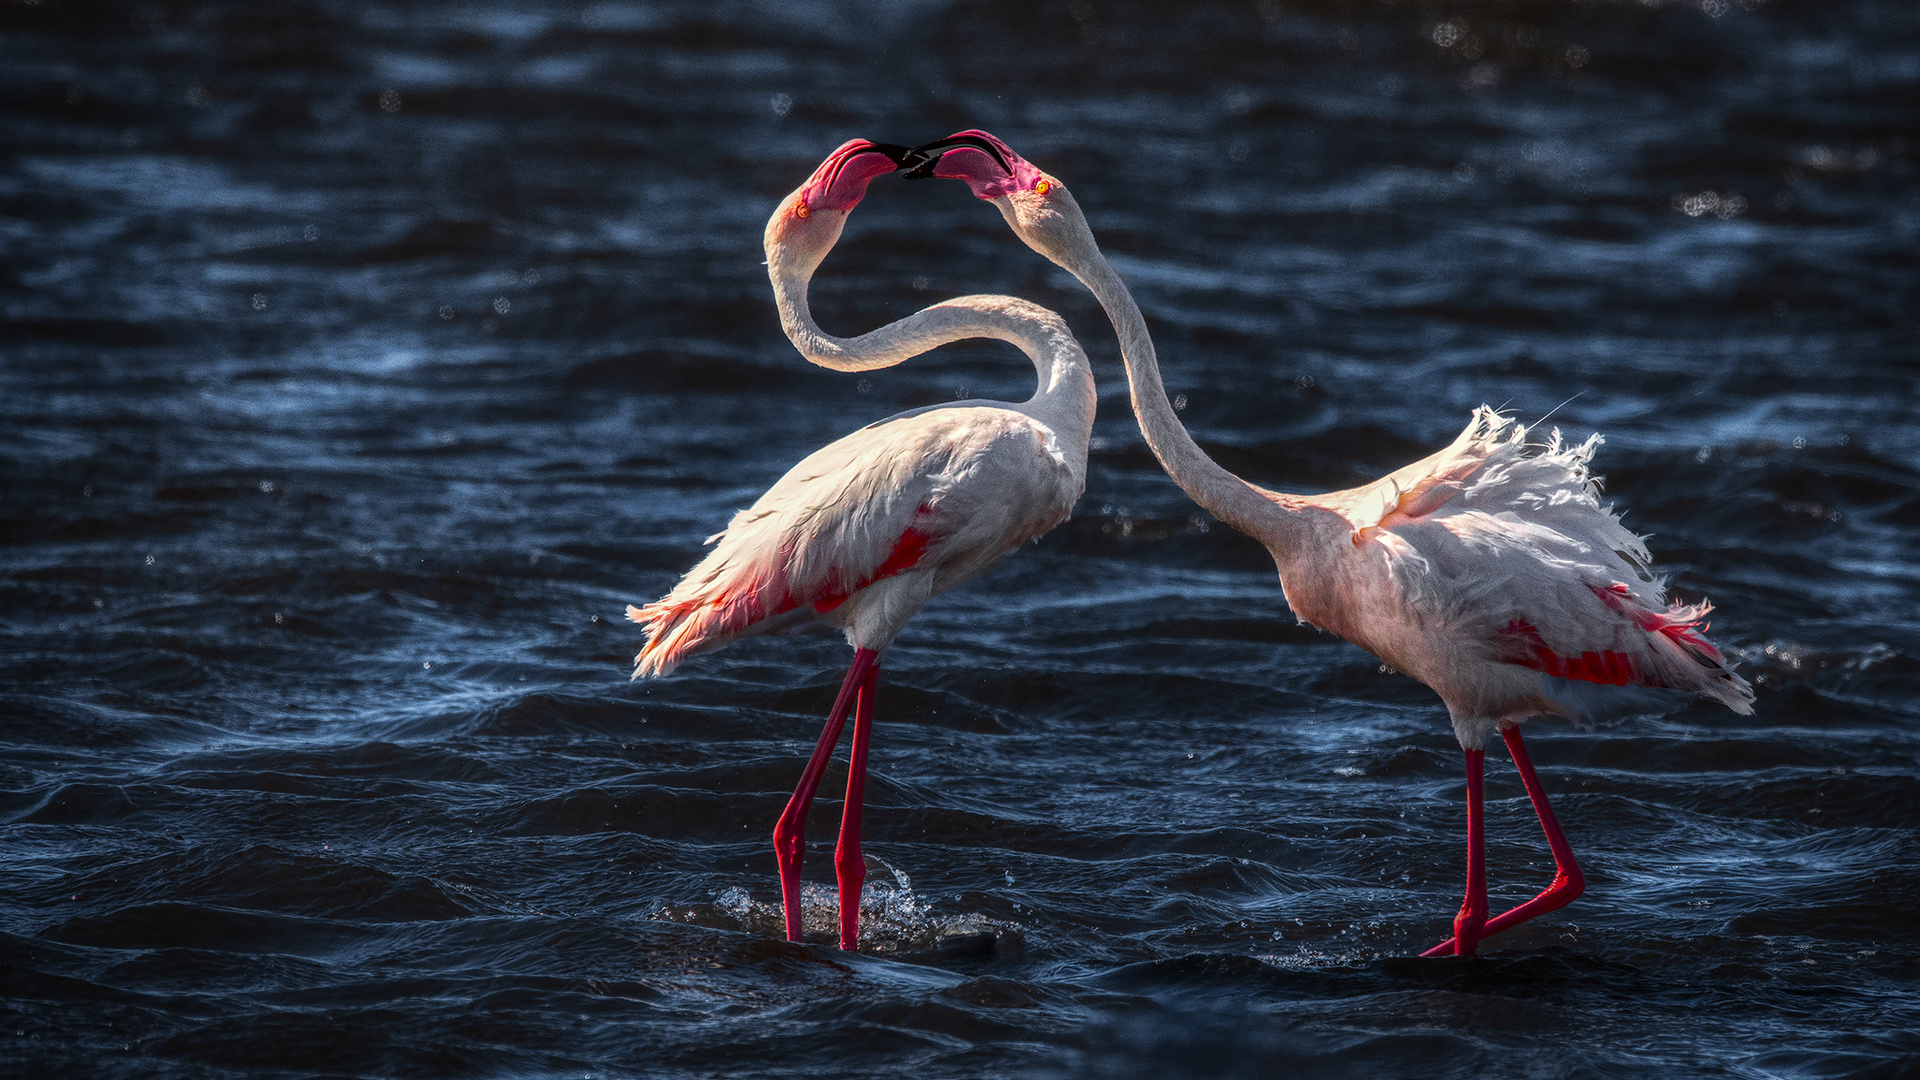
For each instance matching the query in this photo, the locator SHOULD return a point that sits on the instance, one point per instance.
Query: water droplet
(502, 305)
(390, 101)
(446, 311)
(279, 618)
(311, 232)
(531, 277)
(1710, 202)
(781, 104)
(149, 560)
(259, 301)
(1179, 403)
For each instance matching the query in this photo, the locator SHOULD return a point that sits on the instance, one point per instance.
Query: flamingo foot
(849, 864)
(789, 839)
(1568, 882)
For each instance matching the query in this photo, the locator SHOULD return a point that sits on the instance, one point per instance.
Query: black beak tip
(901, 156)
(919, 162)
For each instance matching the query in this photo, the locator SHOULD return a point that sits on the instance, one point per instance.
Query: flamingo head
(1038, 207)
(812, 217)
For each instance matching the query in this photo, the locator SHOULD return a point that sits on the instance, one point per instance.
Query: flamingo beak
(918, 164)
(841, 181)
(898, 155)
(901, 156)
(921, 160)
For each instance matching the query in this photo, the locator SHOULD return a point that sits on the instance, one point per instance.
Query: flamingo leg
(1568, 882)
(1473, 909)
(789, 840)
(848, 863)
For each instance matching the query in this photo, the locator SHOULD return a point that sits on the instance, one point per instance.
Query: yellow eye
(800, 209)
(1042, 186)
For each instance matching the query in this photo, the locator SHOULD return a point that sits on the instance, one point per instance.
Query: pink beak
(989, 166)
(841, 181)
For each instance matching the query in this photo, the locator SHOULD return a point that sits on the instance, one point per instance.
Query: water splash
(894, 920)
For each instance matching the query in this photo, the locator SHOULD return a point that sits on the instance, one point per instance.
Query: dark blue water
(360, 362)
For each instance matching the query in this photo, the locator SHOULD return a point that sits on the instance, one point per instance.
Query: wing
(1506, 544)
(945, 492)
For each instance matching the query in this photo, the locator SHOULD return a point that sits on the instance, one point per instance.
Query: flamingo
(1488, 571)
(865, 530)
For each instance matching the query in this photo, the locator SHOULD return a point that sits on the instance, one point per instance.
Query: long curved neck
(885, 347)
(1267, 516)
(1064, 399)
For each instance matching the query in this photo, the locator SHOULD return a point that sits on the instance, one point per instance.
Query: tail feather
(1684, 658)
(698, 615)
(670, 634)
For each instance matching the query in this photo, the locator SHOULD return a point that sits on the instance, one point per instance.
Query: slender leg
(848, 863)
(1568, 882)
(1473, 909)
(789, 841)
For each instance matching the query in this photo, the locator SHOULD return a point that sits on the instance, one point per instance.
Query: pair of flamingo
(1488, 571)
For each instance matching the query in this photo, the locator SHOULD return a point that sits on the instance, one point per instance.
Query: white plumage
(863, 531)
(1490, 572)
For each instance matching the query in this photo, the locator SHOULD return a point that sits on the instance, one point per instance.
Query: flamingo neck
(1064, 398)
(1275, 519)
(884, 347)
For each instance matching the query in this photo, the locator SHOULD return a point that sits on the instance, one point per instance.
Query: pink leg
(789, 841)
(1568, 883)
(849, 864)
(1473, 909)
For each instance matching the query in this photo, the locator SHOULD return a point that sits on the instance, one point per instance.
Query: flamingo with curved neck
(1488, 571)
(863, 532)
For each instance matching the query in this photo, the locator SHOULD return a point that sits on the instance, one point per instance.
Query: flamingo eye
(800, 209)
(1042, 186)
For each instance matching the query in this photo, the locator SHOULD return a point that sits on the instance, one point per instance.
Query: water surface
(359, 363)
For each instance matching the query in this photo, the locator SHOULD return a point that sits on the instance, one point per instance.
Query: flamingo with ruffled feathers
(864, 531)
(1488, 571)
